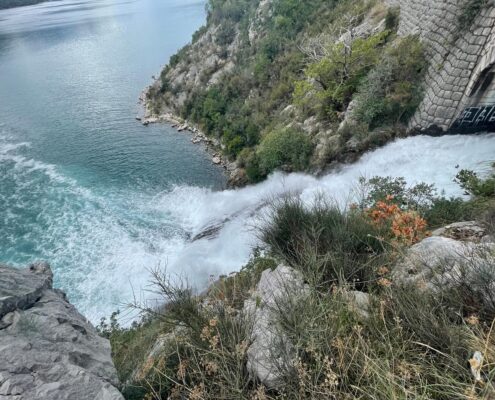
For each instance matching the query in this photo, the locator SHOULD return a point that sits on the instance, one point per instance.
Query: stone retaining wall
(457, 59)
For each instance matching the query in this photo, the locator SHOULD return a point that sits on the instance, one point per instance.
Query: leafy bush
(225, 34)
(221, 10)
(445, 211)
(392, 90)
(423, 198)
(475, 185)
(284, 148)
(417, 197)
(337, 75)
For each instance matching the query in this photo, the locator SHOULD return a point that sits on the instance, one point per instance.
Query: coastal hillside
(370, 276)
(282, 84)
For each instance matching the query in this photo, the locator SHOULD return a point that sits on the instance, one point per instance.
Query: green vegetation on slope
(297, 59)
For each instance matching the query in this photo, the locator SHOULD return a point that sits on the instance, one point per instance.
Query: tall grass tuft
(329, 245)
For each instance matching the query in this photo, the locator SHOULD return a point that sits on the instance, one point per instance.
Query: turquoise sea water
(78, 173)
(104, 199)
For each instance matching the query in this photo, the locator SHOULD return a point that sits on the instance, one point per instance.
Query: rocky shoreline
(235, 178)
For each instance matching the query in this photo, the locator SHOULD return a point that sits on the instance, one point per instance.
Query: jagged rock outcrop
(465, 231)
(48, 351)
(203, 64)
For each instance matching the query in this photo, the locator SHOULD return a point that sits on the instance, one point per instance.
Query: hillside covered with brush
(271, 81)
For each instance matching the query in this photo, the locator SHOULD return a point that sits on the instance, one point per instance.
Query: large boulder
(439, 262)
(270, 353)
(48, 351)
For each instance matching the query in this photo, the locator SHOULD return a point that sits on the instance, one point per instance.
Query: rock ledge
(48, 351)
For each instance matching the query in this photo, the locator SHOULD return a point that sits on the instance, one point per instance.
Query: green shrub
(476, 186)
(445, 211)
(337, 75)
(284, 148)
(221, 10)
(225, 34)
(392, 91)
(249, 161)
(200, 32)
(416, 197)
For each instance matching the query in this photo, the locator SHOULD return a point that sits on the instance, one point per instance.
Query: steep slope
(281, 84)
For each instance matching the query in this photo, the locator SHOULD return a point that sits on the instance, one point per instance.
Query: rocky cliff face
(202, 63)
(48, 351)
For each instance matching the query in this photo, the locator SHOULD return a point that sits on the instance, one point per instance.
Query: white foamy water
(101, 244)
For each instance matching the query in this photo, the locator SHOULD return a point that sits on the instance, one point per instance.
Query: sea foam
(102, 244)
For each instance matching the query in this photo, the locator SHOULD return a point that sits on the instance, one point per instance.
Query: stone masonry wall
(457, 59)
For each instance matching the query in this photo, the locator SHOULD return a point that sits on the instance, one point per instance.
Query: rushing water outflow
(102, 198)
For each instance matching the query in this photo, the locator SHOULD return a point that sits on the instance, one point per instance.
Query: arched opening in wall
(483, 83)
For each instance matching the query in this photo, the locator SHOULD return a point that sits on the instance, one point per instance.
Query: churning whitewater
(101, 245)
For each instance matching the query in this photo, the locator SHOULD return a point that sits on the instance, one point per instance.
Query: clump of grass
(337, 246)
(130, 347)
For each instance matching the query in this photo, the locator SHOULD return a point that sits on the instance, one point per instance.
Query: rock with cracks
(270, 353)
(48, 351)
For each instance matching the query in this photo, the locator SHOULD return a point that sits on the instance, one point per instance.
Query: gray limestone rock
(359, 302)
(438, 262)
(270, 352)
(48, 351)
(465, 231)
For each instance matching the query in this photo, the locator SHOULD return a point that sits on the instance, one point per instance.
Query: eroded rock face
(48, 351)
(270, 352)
